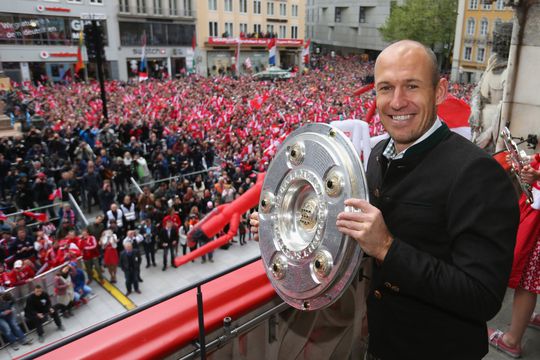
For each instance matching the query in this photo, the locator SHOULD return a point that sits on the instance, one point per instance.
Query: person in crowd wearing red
(525, 276)
(5, 278)
(90, 252)
(171, 216)
(21, 273)
(109, 243)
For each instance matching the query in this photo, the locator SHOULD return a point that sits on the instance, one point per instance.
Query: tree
(431, 22)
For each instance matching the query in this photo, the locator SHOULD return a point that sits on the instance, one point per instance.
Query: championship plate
(308, 261)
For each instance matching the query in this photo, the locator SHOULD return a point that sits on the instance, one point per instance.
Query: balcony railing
(149, 11)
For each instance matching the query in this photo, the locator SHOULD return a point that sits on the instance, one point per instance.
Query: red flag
(455, 113)
(80, 63)
(363, 89)
(41, 217)
(56, 194)
(305, 52)
(3, 216)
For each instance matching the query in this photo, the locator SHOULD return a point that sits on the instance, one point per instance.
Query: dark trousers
(150, 253)
(166, 250)
(132, 280)
(38, 323)
(89, 196)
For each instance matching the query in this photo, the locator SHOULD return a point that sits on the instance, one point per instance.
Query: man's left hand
(367, 227)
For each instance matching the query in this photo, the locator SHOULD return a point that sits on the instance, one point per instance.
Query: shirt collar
(390, 151)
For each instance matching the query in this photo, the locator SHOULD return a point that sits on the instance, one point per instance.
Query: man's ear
(441, 91)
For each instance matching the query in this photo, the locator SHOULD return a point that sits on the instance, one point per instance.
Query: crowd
(155, 130)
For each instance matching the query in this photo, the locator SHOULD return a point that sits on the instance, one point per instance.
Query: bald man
(441, 224)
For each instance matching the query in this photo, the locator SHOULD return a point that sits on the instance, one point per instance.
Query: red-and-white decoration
(255, 42)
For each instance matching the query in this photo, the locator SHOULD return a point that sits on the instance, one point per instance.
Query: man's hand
(254, 222)
(366, 227)
(40, 315)
(529, 174)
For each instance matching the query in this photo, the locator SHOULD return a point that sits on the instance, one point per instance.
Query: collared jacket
(453, 215)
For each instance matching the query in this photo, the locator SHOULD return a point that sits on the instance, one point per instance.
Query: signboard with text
(254, 42)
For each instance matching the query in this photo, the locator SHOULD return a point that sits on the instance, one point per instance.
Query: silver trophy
(309, 262)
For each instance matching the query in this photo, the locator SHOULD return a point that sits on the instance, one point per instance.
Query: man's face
(406, 97)
(38, 291)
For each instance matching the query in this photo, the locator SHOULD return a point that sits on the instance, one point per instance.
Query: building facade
(167, 25)
(39, 39)
(347, 26)
(227, 29)
(474, 36)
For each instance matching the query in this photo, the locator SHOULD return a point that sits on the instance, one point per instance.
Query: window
(158, 34)
(75, 1)
(362, 15)
(243, 29)
(487, 6)
(270, 29)
(294, 32)
(467, 53)
(500, 5)
(337, 15)
(228, 5)
(257, 28)
(483, 27)
(213, 28)
(187, 7)
(480, 55)
(270, 8)
(243, 6)
(470, 26)
(157, 7)
(141, 6)
(96, 2)
(212, 4)
(283, 9)
(256, 6)
(294, 10)
(282, 31)
(124, 5)
(173, 9)
(473, 4)
(228, 29)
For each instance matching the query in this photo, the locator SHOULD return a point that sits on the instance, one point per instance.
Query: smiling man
(441, 224)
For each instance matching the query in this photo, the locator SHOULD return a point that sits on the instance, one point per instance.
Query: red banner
(255, 42)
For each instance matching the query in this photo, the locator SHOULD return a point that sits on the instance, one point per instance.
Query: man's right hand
(254, 222)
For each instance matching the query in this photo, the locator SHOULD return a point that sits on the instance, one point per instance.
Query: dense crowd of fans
(176, 130)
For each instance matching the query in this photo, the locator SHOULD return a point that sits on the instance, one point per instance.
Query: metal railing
(21, 292)
(202, 335)
(45, 208)
(176, 177)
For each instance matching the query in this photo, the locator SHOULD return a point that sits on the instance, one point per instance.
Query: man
(148, 231)
(38, 308)
(90, 251)
(168, 239)
(135, 239)
(8, 322)
(92, 183)
(129, 262)
(441, 261)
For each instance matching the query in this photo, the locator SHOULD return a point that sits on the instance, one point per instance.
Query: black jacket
(454, 216)
(37, 304)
